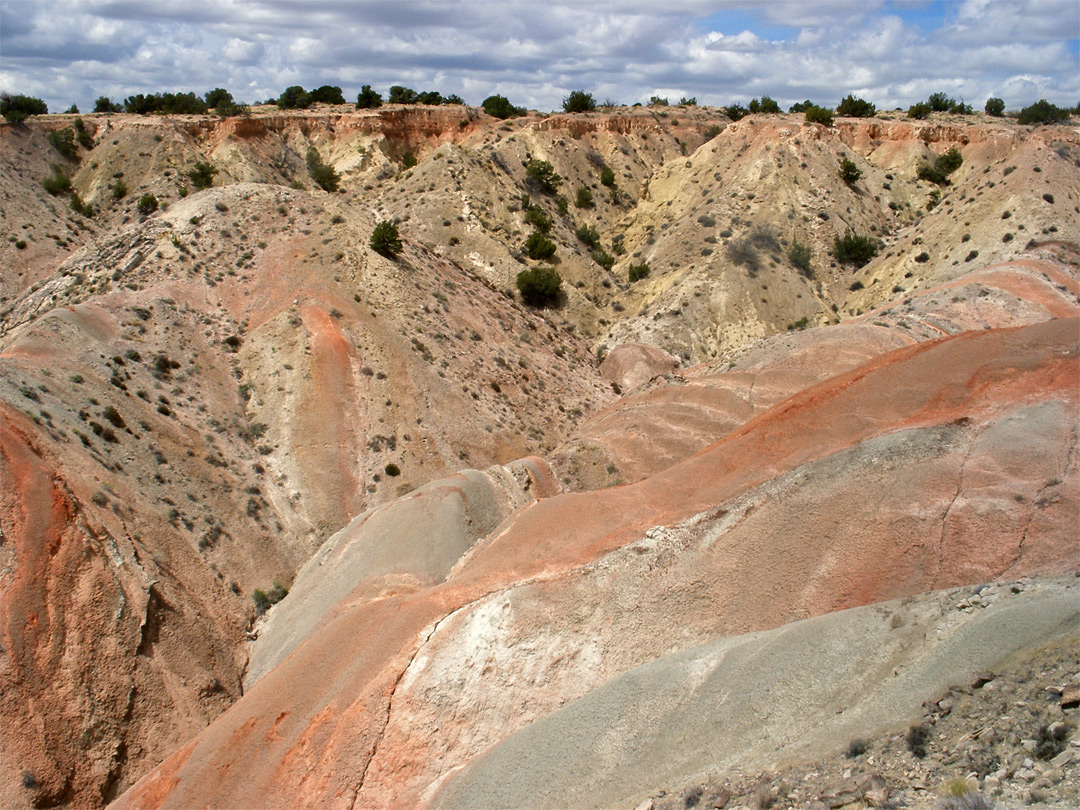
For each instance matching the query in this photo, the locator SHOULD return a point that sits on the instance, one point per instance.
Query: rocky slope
(235, 392)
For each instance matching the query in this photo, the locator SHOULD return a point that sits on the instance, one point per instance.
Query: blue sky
(892, 52)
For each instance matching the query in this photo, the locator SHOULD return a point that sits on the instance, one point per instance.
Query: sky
(890, 52)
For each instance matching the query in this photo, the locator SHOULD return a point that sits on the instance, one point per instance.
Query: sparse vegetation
(119, 189)
(589, 235)
(63, 141)
(638, 271)
(264, 600)
(917, 738)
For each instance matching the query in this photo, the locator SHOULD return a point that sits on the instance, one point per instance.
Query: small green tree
(58, 182)
(19, 107)
(855, 107)
(818, 115)
(854, 249)
(607, 177)
(119, 189)
(939, 102)
(589, 236)
(294, 98)
(800, 257)
(327, 94)
(995, 107)
(543, 174)
(536, 217)
(579, 101)
(539, 286)
(402, 95)
(919, 110)
(325, 176)
(658, 101)
(385, 241)
(538, 246)
(147, 204)
(849, 172)
(103, 105)
(368, 99)
(202, 174)
(501, 108)
(766, 105)
(736, 111)
(218, 97)
(1042, 112)
(583, 198)
(63, 141)
(638, 271)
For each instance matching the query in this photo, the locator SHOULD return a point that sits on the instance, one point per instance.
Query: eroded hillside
(234, 391)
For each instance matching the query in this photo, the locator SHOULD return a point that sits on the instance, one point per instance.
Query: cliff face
(479, 521)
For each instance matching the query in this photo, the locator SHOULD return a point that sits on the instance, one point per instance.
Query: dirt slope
(194, 401)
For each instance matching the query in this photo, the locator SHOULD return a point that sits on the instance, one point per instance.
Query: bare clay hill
(498, 525)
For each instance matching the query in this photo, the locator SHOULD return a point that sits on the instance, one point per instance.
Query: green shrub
(103, 105)
(218, 97)
(1042, 112)
(501, 108)
(81, 135)
(63, 141)
(165, 103)
(80, 207)
(147, 204)
(639, 271)
(588, 235)
(202, 175)
(294, 98)
(658, 101)
(603, 258)
(919, 110)
(392, 469)
(607, 177)
(327, 94)
(742, 252)
(818, 115)
(538, 246)
(19, 107)
(368, 99)
(736, 111)
(1049, 198)
(766, 105)
(58, 182)
(800, 257)
(584, 198)
(385, 241)
(925, 171)
(849, 172)
(543, 174)
(324, 176)
(536, 217)
(402, 95)
(579, 101)
(943, 166)
(713, 131)
(408, 160)
(917, 738)
(539, 286)
(265, 600)
(855, 107)
(995, 107)
(801, 106)
(950, 161)
(939, 102)
(854, 249)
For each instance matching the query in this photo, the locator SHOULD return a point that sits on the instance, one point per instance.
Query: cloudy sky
(891, 52)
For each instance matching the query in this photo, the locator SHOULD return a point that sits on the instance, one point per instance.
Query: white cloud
(534, 53)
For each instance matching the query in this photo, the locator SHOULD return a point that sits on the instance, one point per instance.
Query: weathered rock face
(195, 402)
